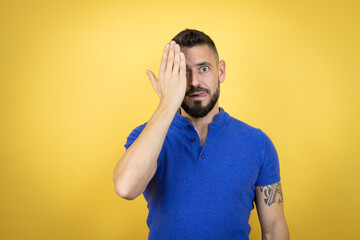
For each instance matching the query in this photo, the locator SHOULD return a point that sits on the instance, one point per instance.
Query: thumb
(152, 77)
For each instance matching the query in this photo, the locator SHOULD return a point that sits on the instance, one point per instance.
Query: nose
(193, 78)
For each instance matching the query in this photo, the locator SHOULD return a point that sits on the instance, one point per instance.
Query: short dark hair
(192, 37)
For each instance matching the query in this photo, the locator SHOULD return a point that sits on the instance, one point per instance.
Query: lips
(198, 94)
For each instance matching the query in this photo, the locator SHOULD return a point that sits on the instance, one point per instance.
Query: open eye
(204, 69)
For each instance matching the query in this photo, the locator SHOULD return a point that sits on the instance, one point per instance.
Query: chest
(227, 166)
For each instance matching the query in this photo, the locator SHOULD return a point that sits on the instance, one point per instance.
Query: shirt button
(202, 156)
(188, 126)
(193, 139)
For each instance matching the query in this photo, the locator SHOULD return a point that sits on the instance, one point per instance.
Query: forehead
(198, 54)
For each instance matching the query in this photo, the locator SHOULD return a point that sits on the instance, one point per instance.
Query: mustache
(193, 90)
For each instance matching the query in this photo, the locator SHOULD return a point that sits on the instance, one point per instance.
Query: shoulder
(245, 129)
(246, 134)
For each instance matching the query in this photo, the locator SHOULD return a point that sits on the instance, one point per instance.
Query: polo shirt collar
(220, 118)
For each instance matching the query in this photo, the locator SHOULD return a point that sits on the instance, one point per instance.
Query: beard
(199, 111)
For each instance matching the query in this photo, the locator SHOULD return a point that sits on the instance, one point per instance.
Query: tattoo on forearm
(271, 192)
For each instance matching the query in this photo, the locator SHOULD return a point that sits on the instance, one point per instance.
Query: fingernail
(172, 43)
(167, 46)
(177, 47)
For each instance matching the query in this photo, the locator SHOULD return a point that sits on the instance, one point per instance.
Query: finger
(152, 78)
(176, 60)
(182, 66)
(170, 59)
(164, 59)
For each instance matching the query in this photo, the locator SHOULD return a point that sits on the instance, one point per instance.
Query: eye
(204, 69)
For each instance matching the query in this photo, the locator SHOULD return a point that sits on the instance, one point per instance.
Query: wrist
(168, 107)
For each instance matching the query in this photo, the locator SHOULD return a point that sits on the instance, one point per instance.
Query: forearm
(138, 164)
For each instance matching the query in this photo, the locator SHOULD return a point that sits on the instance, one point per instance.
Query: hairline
(212, 51)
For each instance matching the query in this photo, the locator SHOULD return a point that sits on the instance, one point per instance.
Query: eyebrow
(202, 64)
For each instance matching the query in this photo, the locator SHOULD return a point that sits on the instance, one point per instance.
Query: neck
(200, 123)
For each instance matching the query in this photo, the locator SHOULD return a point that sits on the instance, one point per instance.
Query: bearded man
(199, 169)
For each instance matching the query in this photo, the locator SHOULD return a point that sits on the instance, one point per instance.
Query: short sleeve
(133, 136)
(270, 167)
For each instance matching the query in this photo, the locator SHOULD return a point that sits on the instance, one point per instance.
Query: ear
(221, 67)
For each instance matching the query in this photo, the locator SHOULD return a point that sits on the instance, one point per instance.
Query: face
(204, 76)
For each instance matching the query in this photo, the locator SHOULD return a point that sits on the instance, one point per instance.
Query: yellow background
(73, 86)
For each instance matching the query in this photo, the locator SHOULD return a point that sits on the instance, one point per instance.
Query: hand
(171, 84)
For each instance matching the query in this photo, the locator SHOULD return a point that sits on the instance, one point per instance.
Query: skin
(204, 71)
(181, 69)
(270, 208)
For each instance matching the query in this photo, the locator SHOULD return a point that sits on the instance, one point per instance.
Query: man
(200, 170)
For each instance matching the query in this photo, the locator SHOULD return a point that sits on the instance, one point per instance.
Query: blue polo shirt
(208, 192)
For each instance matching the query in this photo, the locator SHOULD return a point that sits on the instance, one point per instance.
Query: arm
(269, 205)
(138, 164)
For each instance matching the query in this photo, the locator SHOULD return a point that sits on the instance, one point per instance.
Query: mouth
(198, 95)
